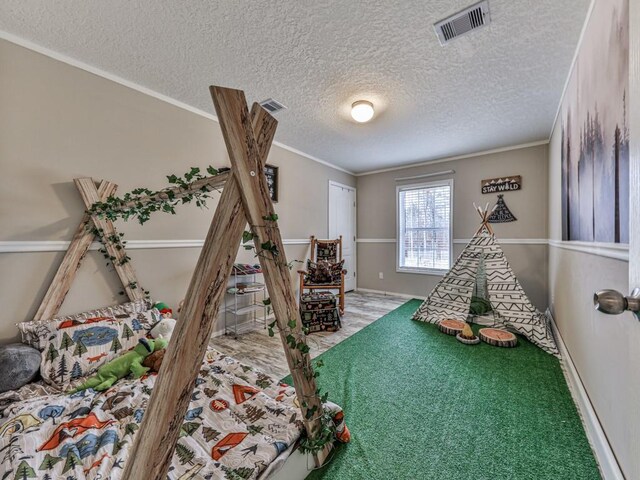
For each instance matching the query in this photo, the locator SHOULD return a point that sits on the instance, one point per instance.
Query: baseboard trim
(605, 457)
(382, 292)
(62, 245)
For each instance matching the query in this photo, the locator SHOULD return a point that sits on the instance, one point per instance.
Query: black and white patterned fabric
(511, 307)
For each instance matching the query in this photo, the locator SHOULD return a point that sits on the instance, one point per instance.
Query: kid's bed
(241, 424)
(237, 421)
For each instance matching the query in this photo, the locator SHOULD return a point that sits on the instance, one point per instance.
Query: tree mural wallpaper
(595, 135)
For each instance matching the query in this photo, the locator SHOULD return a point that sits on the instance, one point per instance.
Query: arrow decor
(501, 213)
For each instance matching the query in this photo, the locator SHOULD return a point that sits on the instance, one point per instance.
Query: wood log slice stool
(451, 326)
(498, 337)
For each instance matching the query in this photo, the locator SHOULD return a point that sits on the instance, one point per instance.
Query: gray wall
(59, 122)
(377, 219)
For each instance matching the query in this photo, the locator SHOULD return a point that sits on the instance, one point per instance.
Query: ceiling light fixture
(362, 111)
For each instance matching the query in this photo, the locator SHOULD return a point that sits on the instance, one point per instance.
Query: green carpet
(421, 405)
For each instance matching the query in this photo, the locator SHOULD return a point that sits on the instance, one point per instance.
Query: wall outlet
(381, 275)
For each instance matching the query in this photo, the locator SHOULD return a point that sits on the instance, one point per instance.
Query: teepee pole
(484, 216)
(231, 108)
(71, 261)
(175, 193)
(119, 260)
(152, 452)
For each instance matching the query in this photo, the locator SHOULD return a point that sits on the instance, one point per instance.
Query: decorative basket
(468, 341)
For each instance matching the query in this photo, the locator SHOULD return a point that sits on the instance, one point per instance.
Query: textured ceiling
(495, 87)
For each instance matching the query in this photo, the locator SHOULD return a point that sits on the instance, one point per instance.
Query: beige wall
(377, 219)
(58, 122)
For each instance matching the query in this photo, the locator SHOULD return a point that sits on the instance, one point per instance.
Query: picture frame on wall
(271, 172)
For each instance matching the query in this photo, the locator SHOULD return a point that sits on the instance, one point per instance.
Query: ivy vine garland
(130, 206)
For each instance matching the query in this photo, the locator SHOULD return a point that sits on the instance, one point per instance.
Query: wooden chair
(329, 251)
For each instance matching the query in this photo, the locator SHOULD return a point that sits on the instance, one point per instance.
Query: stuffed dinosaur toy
(130, 362)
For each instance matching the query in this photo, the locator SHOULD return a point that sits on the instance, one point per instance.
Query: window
(424, 227)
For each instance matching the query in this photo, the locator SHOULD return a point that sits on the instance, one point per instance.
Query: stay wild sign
(502, 184)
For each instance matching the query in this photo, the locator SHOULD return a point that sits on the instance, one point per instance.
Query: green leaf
(247, 236)
(212, 171)
(292, 323)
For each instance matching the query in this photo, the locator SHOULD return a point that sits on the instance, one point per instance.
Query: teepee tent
(482, 270)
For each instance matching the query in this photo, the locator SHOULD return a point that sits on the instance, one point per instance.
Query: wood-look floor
(258, 349)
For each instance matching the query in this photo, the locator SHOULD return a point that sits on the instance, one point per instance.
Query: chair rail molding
(608, 250)
(618, 251)
(31, 246)
(464, 241)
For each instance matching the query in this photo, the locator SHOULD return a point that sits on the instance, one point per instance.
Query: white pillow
(36, 332)
(77, 348)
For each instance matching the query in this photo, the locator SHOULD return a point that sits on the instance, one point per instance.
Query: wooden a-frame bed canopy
(245, 199)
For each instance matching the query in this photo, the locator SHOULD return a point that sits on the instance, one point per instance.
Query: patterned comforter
(239, 420)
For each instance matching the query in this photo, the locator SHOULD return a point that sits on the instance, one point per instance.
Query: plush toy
(154, 361)
(164, 309)
(130, 362)
(163, 329)
(467, 332)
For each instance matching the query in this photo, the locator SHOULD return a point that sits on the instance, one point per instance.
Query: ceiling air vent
(471, 18)
(272, 106)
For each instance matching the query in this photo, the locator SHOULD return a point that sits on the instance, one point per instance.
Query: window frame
(415, 186)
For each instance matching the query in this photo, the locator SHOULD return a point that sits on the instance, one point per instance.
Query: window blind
(424, 226)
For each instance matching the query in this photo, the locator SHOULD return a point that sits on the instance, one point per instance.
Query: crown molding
(9, 37)
(457, 157)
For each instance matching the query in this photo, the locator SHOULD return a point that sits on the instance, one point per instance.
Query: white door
(342, 221)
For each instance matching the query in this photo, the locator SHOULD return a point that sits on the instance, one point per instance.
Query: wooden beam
(123, 268)
(231, 108)
(71, 261)
(207, 183)
(152, 452)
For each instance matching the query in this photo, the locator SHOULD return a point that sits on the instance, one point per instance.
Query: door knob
(613, 302)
